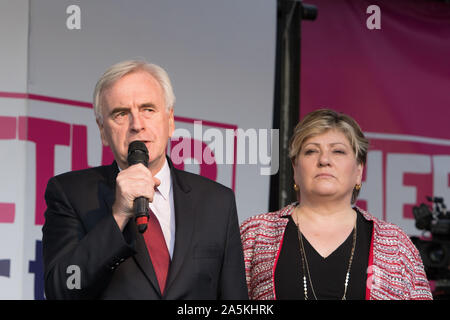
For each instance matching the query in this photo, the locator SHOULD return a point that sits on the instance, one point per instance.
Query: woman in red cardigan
(324, 247)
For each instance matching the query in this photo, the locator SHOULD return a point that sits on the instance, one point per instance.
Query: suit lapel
(184, 223)
(141, 257)
(184, 226)
(107, 190)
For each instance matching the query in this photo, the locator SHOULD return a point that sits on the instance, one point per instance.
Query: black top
(327, 274)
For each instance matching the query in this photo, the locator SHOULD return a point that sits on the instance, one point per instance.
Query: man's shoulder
(192, 180)
(77, 177)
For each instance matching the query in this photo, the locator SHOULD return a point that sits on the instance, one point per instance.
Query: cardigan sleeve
(248, 243)
(416, 282)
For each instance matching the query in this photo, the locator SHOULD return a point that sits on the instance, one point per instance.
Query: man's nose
(137, 123)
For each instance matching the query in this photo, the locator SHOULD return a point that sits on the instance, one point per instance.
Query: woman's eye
(309, 151)
(339, 151)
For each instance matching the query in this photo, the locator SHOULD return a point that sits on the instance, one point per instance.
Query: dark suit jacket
(80, 230)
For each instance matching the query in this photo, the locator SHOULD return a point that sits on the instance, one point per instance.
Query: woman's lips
(324, 175)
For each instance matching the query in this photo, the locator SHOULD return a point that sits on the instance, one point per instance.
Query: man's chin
(155, 164)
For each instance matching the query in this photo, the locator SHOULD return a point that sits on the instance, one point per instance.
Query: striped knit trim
(397, 268)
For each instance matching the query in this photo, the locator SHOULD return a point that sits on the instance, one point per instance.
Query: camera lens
(436, 253)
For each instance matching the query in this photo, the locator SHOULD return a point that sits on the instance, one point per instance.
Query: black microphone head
(137, 153)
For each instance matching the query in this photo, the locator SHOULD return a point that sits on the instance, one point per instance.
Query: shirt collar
(164, 176)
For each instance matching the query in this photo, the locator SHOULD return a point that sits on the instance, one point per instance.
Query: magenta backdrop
(395, 81)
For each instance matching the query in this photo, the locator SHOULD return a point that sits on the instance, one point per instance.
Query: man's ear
(101, 128)
(171, 122)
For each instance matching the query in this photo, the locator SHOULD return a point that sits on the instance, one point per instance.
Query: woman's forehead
(329, 137)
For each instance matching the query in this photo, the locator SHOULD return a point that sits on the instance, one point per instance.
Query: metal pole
(287, 94)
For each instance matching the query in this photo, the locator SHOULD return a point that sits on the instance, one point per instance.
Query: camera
(434, 249)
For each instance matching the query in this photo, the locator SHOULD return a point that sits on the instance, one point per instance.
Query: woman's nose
(324, 159)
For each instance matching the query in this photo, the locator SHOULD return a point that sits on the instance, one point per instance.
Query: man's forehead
(136, 78)
(137, 88)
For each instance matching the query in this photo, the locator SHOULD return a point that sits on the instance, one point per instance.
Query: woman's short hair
(322, 120)
(117, 71)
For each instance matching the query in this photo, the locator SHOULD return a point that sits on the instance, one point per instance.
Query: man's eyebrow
(126, 109)
(147, 105)
(119, 109)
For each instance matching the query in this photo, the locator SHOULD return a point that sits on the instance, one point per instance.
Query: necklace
(305, 265)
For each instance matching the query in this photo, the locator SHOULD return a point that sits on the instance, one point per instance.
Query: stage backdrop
(386, 63)
(220, 56)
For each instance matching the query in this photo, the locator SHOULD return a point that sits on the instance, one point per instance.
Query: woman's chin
(325, 192)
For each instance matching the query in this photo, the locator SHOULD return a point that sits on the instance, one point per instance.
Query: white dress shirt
(163, 207)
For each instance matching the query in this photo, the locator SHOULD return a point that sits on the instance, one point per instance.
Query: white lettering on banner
(397, 194)
(406, 177)
(372, 191)
(441, 180)
(42, 135)
(390, 192)
(393, 182)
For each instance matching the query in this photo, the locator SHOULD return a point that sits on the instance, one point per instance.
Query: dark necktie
(157, 248)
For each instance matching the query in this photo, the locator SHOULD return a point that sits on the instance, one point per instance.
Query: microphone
(138, 153)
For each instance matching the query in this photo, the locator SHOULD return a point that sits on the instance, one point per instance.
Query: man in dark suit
(89, 229)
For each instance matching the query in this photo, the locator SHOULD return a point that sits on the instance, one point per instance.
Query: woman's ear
(293, 163)
(360, 171)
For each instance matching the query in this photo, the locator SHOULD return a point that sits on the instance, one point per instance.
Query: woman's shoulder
(269, 219)
(387, 232)
(379, 223)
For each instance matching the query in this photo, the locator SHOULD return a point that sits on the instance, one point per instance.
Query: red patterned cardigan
(395, 268)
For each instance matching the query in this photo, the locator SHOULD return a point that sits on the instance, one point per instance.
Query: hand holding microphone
(138, 153)
(135, 187)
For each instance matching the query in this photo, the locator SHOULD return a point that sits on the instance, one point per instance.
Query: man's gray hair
(117, 71)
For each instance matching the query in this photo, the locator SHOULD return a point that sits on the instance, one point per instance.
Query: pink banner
(386, 64)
